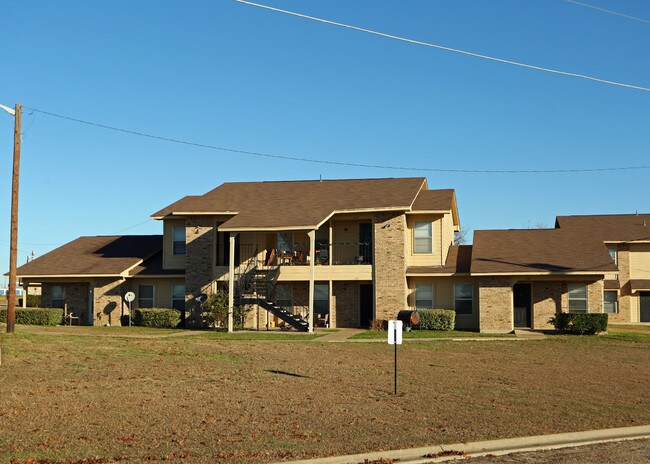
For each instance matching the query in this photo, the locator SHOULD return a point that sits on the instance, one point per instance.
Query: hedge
(437, 319)
(156, 317)
(580, 323)
(35, 316)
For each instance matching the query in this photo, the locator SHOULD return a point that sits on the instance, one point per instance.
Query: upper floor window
(145, 296)
(577, 294)
(424, 296)
(423, 237)
(58, 296)
(613, 254)
(178, 233)
(463, 298)
(610, 302)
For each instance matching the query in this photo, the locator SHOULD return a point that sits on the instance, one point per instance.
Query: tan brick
(199, 261)
(547, 301)
(495, 304)
(346, 304)
(389, 264)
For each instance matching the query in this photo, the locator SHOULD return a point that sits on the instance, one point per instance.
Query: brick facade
(625, 298)
(389, 269)
(495, 304)
(76, 297)
(108, 301)
(199, 236)
(547, 301)
(345, 305)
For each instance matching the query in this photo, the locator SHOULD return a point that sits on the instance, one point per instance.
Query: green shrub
(580, 323)
(216, 311)
(156, 317)
(437, 319)
(35, 316)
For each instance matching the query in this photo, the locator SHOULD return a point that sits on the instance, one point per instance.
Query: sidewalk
(440, 453)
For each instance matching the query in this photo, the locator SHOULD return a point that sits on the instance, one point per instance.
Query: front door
(365, 305)
(644, 315)
(522, 304)
(365, 243)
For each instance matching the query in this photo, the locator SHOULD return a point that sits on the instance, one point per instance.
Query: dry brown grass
(201, 399)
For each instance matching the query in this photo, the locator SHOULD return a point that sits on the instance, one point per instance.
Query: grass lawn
(429, 334)
(68, 398)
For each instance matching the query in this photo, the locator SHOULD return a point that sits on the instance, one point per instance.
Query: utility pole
(13, 248)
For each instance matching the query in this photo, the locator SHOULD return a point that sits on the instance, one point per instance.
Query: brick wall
(199, 236)
(625, 298)
(595, 297)
(495, 304)
(389, 265)
(345, 304)
(547, 301)
(108, 301)
(76, 297)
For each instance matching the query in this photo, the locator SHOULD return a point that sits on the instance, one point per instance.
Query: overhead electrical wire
(609, 11)
(449, 49)
(338, 163)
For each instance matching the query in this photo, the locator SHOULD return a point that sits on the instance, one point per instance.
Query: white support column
(329, 245)
(312, 256)
(231, 282)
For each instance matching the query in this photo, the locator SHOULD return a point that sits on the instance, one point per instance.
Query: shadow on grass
(291, 374)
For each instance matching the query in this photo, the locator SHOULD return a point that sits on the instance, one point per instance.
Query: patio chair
(70, 316)
(322, 320)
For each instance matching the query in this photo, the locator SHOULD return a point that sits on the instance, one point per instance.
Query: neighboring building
(344, 252)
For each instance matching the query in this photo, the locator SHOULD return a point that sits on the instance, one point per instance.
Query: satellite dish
(129, 297)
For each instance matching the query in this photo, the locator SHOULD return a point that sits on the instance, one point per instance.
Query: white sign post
(395, 338)
(129, 297)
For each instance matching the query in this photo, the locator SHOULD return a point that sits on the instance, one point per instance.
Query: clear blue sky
(228, 74)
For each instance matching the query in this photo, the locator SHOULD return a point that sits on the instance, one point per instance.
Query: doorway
(366, 306)
(644, 307)
(365, 243)
(522, 304)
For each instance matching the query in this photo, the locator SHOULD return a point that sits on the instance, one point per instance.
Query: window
(424, 296)
(178, 297)
(285, 242)
(463, 295)
(610, 302)
(422, 237)
(321, 299)
(577, 298)
(58, 296)
(178, 233)
(145, 296)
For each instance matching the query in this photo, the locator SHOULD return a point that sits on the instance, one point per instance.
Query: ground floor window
(284, 296)
(610, 302)
(463, 296)
(321, 299)
(58, 296)
(424, 296)
(577, 294)
(145, 296)
(178, 297)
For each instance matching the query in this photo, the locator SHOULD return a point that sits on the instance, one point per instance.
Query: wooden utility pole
(13, 248)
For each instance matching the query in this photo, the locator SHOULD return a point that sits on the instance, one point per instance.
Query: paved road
(622, 452)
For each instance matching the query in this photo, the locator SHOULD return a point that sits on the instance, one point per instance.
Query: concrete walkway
(529, 334)
(440, 453)
(341, 336)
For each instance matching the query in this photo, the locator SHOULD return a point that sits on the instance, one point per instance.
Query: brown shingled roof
(458, 261)
(154, 267)
(538, 251)
(89, 256)
(297, 204)
(609, 227)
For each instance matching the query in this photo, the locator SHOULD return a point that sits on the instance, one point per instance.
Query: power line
(609, 11)
(449, 49)
(132, 227)
(339, 163)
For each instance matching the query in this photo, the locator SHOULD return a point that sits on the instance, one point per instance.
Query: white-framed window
(463, 298)
(423, 237)
(145, 296)
(424, 296)
(613, 254)
(577, 295)
(178, 236)
(58, 296)
(610, 301)
(178, 297)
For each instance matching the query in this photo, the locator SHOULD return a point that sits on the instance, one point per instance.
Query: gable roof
(297, 204)
(437, 200)
(539, 251)
(610, 227)
(459, 260)
(110, 255)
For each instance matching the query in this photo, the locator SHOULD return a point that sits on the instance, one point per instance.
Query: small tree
(462, 236)
(216, 308)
